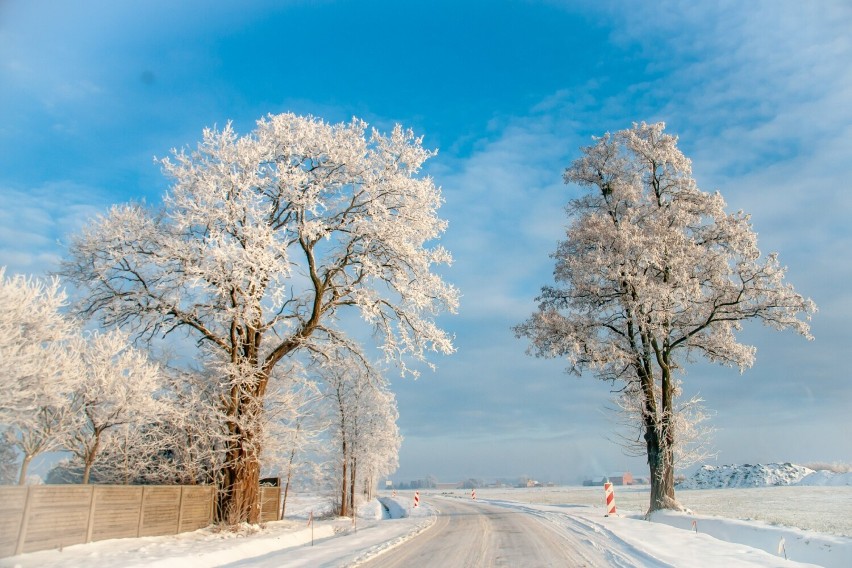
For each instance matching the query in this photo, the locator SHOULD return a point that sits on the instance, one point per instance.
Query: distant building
(620, 478)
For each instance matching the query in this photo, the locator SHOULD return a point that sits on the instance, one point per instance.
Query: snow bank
(763, 475)
(799, 546)
(200, 549)
(826, 478)
(371, 510)
(759, 475)
(395, 508)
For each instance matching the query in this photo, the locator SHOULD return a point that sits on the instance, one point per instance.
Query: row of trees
(261, 245)
(67, 390)
(127, 420)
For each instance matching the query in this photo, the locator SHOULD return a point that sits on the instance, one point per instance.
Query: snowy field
(820, 509)
(716, 538)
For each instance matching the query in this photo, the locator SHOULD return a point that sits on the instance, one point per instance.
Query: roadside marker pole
(610, 499)
(416, 499)
(473, 494)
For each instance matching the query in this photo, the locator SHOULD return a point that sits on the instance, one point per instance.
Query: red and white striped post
(394, 493)
(610, 499)
(416, 498)
(473, 494)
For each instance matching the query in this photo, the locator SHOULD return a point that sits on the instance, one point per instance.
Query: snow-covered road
(471, 534)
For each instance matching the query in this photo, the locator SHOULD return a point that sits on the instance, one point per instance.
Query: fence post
(22, 535)
(180, 510)
(90, 524)
(141, 511)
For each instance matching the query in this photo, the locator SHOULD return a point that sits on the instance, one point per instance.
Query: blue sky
(760, 94)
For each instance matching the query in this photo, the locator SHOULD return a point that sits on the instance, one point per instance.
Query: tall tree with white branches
(363, 415)
(39, 369)
(262, 239)
(652, 272)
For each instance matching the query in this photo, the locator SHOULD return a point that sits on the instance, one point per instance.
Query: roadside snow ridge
(747, 475)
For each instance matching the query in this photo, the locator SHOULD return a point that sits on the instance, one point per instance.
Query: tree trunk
(240, 490)
(287, 483)
(91, 454)
(659, 440)
(241, 484)
(87, 471)
(344, 502)
(662, 480)
(22, 478)
(352, 486)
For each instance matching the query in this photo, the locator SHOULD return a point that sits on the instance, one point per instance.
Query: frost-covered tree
(38, 369)
(192, 429)
(117, 390)
(261, 241)
(178, 439)
(339, 378)
(652, 273)
(689, 425)
(363, 417)
(8, 459)
(293, 433)
(377, 438)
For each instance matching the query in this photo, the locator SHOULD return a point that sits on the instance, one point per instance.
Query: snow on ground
(733, 527)
(670, 540)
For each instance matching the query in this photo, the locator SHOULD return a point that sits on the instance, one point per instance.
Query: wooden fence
(41, 517)
(270, 503)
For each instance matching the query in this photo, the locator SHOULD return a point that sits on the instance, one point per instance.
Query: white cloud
(35, 222)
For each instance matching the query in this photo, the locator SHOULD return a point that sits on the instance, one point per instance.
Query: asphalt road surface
(470, 534)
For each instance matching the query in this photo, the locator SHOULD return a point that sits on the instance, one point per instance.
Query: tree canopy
(652, 271)
(260, 242)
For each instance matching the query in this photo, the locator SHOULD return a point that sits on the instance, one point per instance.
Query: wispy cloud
(34, 223)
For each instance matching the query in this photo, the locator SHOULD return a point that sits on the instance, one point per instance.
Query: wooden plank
(117, 511)
(13, 499)
(57, 516)
(197, 507)
(160, 510)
